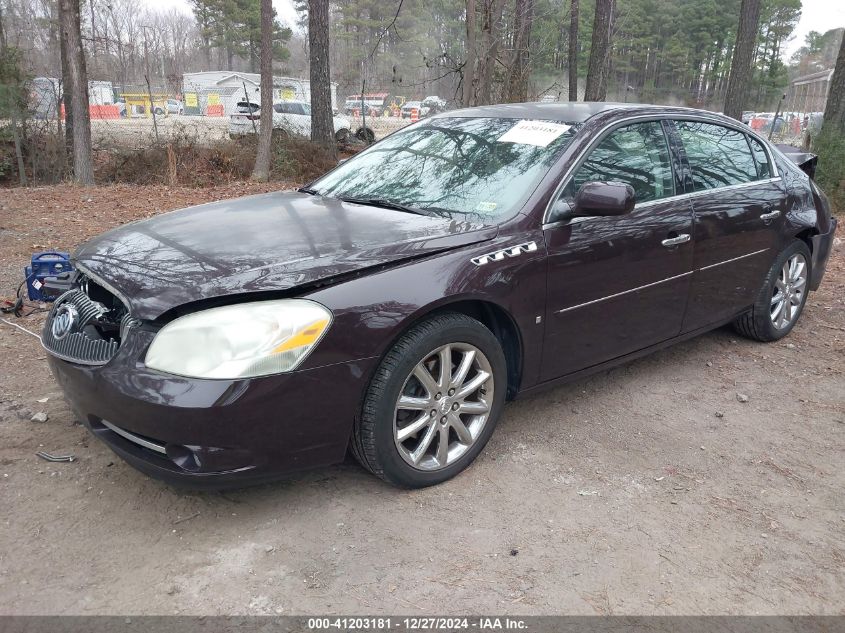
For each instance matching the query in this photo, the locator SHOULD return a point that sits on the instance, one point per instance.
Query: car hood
(265, 243)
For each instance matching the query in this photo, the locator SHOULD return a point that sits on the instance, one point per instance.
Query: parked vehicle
(435, 104)
(410, 106)
(376, 103)
(169, 106)
(289, 117)
(392, 306)
(174, 106)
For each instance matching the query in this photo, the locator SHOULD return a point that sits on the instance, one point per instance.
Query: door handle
(674, 241)
(770, 216)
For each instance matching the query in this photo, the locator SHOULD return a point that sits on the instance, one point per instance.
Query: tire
(342, 136)
(764, 321)
(365, 134)
(158, 111)
(375, 439)
(280, 134)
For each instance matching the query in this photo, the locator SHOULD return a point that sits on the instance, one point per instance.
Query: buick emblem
(64, 321)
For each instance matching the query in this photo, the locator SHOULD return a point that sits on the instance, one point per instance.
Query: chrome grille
(71, 330)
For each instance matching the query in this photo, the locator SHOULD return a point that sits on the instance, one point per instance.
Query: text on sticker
(539, 133)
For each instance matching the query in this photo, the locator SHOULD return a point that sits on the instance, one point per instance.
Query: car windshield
(474, 166)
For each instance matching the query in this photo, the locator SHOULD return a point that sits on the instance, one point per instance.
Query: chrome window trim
(600, 135)
(140, 441)
(742, 185)
(680, 196)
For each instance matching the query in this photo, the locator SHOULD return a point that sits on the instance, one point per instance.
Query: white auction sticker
(539, 133)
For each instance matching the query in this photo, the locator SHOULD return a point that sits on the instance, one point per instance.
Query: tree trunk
(322, 125)
(834, 112)
(516, 89)
(740, 75)
(469, 78)
(573, 52)
(490, 29)
(265, 134)
(64, 100)
(76, 82)
(597, 69)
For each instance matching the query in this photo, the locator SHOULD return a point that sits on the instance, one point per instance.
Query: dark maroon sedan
(395, 304)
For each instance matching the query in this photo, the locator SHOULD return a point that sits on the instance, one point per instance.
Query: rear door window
(718, 156)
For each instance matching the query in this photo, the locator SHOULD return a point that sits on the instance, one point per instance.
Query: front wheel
(342, 136)
(781, 299)
(433, 402)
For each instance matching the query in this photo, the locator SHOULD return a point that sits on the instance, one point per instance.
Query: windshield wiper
(312, 192)
(385, 204)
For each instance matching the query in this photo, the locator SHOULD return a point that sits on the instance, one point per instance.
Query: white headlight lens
(240, 341)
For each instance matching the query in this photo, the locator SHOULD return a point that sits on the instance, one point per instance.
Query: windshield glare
(454, 165)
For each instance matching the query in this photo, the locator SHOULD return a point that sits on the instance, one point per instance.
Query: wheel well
(498, 321)
(806, 236)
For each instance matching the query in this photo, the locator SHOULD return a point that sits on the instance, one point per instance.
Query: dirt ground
(648, 489)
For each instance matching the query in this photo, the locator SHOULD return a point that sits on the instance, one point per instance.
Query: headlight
(240, 341)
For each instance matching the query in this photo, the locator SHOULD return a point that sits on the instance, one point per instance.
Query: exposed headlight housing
(240, 341)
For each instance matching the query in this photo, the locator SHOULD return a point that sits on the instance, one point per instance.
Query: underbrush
(181, 161)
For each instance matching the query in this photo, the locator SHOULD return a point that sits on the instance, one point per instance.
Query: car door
(302, 118)
(739, 206)
(619, 284)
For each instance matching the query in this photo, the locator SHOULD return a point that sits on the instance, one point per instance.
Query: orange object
(214, 110)
(415, 115)
(104, 112)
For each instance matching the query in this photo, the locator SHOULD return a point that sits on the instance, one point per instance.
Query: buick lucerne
(392, 306)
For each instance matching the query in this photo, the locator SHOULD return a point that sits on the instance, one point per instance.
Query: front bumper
(822, 246)
(215, 433)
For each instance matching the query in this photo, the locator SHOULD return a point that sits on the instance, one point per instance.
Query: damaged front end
(87, 322)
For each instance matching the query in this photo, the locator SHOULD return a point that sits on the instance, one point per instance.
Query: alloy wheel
(788, 293)
(443, 406)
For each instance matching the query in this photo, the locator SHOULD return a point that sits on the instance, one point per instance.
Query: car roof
(573, 111)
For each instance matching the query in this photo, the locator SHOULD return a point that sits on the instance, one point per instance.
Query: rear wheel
(781, 299)
(342, 136)
(433, 403)
(365, 134)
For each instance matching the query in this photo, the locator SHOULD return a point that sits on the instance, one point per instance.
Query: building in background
(808, 93)
(226, 88)
(45, 93)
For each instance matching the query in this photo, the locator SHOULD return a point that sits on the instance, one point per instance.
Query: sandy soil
(648, 489)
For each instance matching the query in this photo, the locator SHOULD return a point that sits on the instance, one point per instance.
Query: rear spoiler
(806, 162)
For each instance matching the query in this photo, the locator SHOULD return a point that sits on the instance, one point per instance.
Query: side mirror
(596, 199)
(604, 198)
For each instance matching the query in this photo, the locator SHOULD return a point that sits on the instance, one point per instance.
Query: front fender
(372, 311)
